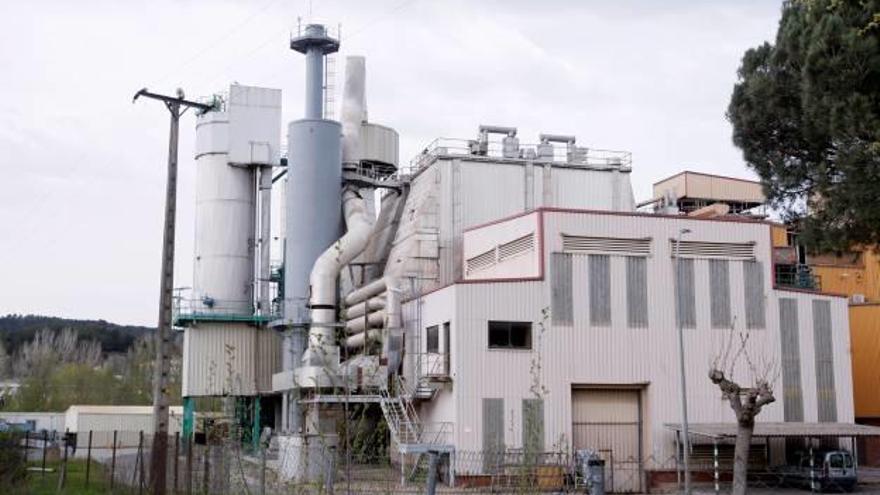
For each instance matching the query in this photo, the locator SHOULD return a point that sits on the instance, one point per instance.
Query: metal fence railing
(220, 463)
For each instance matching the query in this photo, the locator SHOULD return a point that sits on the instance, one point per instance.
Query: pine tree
(806, 114)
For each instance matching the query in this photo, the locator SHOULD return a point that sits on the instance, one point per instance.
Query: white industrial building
(503, 297)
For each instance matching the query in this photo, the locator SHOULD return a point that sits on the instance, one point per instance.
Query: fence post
(207, 466)
(432, 472)
(140, 464)
(63, 474)
(330, 470)
(27, 445)
(45, 446)
(113, 462)
(89, 459)
(262, 467)
(187, 477)
(176, 459)
(715, 463)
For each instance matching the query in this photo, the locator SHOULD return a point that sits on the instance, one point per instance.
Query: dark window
(433, 339)
(510, 334)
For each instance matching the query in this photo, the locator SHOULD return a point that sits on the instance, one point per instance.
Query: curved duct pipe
(360, 309)
(391, 333)
(322, 302)
(373, 288)
(356, 341)
(355, 325)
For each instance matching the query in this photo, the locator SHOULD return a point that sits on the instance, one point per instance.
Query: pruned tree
(746, 401)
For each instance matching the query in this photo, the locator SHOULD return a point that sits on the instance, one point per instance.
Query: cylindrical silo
(223, 268)
(314, 215)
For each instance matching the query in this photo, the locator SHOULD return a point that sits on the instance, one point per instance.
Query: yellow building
(857, 275)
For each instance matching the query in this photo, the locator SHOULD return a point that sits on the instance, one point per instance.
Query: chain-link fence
(220, 463)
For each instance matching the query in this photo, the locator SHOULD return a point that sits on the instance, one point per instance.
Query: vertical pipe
(188, 419)
(314, 80)
(265, 238)
(684, 409)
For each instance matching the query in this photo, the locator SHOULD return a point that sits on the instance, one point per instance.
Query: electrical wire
(226, 35)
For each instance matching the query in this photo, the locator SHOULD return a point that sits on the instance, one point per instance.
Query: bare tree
(746, 402)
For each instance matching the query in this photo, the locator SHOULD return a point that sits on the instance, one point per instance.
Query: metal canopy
(728, 430)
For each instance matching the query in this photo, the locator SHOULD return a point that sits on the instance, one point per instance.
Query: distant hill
(17, 329)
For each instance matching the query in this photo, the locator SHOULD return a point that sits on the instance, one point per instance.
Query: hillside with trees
(60, 362)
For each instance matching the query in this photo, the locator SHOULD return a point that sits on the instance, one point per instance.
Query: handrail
(585, 157)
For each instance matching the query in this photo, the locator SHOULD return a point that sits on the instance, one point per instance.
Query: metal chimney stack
(313, 203)
(315, 43)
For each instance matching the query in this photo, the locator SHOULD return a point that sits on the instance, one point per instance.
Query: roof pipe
(322, 303)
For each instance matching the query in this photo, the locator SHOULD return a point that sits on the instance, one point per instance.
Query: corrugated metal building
(552, 316)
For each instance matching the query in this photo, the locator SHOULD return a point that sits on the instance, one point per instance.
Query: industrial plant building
(489, 296)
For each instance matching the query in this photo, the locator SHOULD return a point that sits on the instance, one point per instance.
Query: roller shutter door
(610, 422)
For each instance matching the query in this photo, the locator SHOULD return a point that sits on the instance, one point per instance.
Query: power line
(216, 41)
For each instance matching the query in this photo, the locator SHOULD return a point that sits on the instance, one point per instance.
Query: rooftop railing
(563, 154)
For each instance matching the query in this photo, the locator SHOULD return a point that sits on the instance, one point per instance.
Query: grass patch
(75, 483)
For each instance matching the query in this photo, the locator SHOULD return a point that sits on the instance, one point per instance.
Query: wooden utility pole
(159, 455)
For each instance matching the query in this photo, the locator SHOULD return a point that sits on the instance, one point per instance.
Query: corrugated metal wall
(229, 359)
(582, 354)
(792, 392)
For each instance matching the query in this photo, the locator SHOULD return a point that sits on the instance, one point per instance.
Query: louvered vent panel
(481, 261)
(524, 244)
(719, 250)
(607, 245)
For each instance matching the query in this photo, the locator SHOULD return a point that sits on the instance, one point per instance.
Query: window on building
(432, 339)
(510, 335)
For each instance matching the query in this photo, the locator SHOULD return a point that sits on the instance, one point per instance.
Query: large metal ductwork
(322, 356)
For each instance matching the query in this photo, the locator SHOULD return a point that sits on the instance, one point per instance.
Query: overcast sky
(82, 170)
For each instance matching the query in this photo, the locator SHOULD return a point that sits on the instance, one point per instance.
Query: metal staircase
(409, 433)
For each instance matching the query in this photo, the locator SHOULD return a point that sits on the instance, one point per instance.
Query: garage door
(609, 421)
